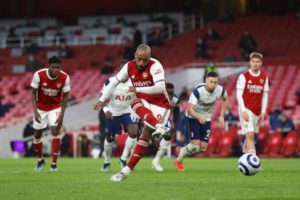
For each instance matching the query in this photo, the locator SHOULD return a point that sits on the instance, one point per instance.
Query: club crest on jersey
(58, 85)
(261, 81)
(145, 75)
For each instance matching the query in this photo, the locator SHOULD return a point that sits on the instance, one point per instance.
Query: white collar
(48, 75)
(256, 75)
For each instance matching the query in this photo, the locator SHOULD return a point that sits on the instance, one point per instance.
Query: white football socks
(129, 144)
(163, 147)
(107, 151)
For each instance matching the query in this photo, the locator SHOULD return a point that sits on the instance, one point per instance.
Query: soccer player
(252, 96)
(118, 114)
(152, 103)
(199, 112)
(166, 140)
(50, 89)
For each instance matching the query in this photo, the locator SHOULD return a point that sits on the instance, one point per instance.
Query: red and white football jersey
(50, 89)
(254, 86)
(153, 73)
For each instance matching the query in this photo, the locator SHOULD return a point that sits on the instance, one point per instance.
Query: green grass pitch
(208, 179)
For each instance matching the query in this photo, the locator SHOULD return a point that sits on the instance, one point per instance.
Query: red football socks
(138, 152)
(39, 149)
(55, 149)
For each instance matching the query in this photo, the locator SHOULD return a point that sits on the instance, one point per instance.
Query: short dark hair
(170, 86)
(212, 74)
(54, 60)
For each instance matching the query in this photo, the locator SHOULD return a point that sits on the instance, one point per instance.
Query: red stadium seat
(262, 137)
(289, 144)
(273, 147)
(224, 148)
(212, 145)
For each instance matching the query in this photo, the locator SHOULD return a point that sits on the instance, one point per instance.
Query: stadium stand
(91, 45)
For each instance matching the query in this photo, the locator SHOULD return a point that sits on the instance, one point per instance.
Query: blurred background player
(252, 96)
(166, 140)
(50, 89)
(199, 113)
(152, 103)
(118, 114)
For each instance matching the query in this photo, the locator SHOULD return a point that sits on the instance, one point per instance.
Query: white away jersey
(119, 102)
(204, 100)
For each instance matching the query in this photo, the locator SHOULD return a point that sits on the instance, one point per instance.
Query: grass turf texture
(210, 179)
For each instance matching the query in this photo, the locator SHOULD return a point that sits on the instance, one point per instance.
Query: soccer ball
(249, 164)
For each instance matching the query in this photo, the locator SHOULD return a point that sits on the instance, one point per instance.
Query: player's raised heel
(157, 166)
(118, 177)
(105, 167)
(40, 165)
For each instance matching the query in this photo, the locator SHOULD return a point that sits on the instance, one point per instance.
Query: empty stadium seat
(289, 144)
(273, 146)
(224, 148)
(213, 143)
(262, 138)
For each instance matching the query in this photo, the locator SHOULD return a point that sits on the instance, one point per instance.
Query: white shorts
(250, 126)
(47, 118)
(162, 114)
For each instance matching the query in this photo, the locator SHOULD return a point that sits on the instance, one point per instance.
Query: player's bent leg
(129, 144)
(55, 143)
(193, 147)
(138, 152)
(147, 115)
(144, 113)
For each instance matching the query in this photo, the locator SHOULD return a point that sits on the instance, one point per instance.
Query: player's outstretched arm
(107, 91)
(37, 116)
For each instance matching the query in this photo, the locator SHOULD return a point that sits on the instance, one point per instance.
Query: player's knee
(132, 135)
(132, 131)
(167, 137)
(37, 134)
(55, 133)
(109, 138)
(136, 103)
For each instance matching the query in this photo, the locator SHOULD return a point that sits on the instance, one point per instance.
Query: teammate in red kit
(50, 89)
(152, 103)
(252, 95)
